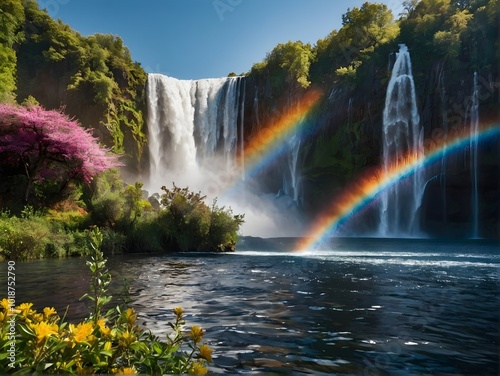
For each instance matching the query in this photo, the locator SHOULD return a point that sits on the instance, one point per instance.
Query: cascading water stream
(293, 190)
(474, 133)
(402, 137)
(193, 130)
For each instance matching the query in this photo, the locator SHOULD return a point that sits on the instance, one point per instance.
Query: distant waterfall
(193, 129)
(474, 132)
(292, 187)
(402, 135)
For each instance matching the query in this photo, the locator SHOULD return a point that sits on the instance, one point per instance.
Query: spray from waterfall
(402, 135)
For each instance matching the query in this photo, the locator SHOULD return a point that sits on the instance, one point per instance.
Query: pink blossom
(42, 142)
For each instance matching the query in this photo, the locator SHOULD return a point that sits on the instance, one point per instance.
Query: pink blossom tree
(47, 146)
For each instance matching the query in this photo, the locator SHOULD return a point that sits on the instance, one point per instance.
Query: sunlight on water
(362, 307)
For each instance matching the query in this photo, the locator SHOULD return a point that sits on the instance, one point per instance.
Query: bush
(110, 342)
(188, 224)
(35, 236)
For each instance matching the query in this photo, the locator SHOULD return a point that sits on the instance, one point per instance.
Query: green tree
(342, 52)
(11, 19)
(288, 63)
(449, 39)
(364, 29)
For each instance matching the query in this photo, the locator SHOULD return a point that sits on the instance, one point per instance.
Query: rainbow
(361, 192)
(270, 141)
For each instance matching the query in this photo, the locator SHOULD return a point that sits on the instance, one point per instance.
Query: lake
(356, 306)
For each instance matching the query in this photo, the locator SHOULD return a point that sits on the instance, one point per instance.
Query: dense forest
(94, 79)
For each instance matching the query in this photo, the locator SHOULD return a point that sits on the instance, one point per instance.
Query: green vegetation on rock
(94, 78)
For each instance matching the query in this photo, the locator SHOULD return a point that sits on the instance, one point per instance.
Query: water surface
(358, 306)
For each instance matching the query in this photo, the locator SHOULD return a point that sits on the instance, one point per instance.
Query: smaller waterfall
(242, 132)
(293, 155)
(474, 132)
(402, 138)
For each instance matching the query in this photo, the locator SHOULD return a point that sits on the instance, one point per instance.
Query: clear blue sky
(192, 39)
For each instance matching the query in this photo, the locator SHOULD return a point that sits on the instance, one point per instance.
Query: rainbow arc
(361, 192)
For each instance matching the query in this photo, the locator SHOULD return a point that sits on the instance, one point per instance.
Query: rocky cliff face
(343, 139)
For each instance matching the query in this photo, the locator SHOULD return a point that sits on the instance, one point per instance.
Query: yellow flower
(126, 371)
(198, 369)
(196, 333)
(47, 312)
(178, 312)
(126, 338)
(206, 353)
(102, 326)
(82, 332)
(4, 303)
(37, 317)
(43, 330)
(130, 315)
(25, 309)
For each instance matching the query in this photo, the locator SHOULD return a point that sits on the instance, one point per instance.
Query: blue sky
(192, 39)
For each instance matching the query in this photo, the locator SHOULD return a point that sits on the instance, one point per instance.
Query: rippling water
(359, 306)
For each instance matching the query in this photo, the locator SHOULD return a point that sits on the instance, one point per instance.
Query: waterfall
(474, 132)
(193, 130)
(242, 132)
(402, 135)
(292, 189)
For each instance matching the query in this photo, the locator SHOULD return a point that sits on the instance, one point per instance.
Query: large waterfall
(193, 130)
(402, 139)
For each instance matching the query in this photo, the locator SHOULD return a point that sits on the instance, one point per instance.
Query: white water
(193, 132)
(402, 134)
(474, 133)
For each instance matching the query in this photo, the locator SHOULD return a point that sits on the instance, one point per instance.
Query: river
(357, 306)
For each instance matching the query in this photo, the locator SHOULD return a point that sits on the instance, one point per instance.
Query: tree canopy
(47, 145)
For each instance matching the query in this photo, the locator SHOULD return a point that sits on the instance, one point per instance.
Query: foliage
(11, 17)
(33, 236)
(94, 77)
(342, 52)
(190, 225)
(47, 145)
(105, 342)
(289, 62)
(112, 204)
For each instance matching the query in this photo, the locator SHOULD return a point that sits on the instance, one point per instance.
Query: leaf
(140, 346)
(25, 330)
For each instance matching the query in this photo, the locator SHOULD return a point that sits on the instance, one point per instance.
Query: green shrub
(36, 236)
(188, 224)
